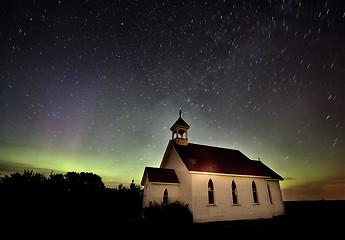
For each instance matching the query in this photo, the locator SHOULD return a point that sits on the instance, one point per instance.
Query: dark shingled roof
(161, 175)
(179, 122)
(203, 158)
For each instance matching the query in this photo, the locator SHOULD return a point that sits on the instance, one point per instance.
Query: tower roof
(180, 122)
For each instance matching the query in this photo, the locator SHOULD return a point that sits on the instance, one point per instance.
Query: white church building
(218, 184)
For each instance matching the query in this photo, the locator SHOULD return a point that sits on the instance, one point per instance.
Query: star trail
(96, 85)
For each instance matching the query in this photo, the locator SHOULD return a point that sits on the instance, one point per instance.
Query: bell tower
(179, 131)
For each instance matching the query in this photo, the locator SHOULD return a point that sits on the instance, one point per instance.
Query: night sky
(95, 86)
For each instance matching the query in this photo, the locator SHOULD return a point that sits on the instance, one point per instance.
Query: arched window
(269, 193)
(234, 193)
(210, 192)
(165, 197)
(255, 193)
(174, 134)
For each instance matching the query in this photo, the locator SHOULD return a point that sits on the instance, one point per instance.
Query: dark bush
(175, 213)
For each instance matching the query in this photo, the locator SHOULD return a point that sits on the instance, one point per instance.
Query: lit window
(255, 193)
(210, 192)
(165, 197)
(234, 193)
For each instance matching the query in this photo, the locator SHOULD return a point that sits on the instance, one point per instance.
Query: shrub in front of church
(171, 213)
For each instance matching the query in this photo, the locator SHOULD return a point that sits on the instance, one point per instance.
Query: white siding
(277, 206)
(157, 192)
(224, 209)
(153, 192)
(172, 160)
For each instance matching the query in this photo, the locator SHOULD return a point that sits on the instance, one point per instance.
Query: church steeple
(179, 131)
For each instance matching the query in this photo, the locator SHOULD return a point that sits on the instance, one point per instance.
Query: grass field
(309, 218)
(304, 219)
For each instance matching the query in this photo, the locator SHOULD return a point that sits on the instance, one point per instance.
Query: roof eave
(166, 183)
(230, 174)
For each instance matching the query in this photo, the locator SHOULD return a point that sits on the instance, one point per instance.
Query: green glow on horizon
(123, 171)
(43, 160)
(118, 166)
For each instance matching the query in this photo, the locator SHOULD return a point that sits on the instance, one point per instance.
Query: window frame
(210, 192)
(255, 193)
(165, 196)
(234, 191)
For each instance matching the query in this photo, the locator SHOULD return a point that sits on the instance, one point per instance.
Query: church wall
(157, 192)
(224, 209)
(154, 192)
(277, 207)
(172, 160)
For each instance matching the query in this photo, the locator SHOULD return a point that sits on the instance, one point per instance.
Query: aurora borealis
(95, 86)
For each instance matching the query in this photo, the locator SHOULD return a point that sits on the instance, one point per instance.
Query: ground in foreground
(304, 218)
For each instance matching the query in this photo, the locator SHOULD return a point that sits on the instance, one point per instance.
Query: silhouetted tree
(56, 182)
(71, 196)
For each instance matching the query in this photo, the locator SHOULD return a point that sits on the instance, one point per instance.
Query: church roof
(179, 122)
(203, 158)
(165, 175)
